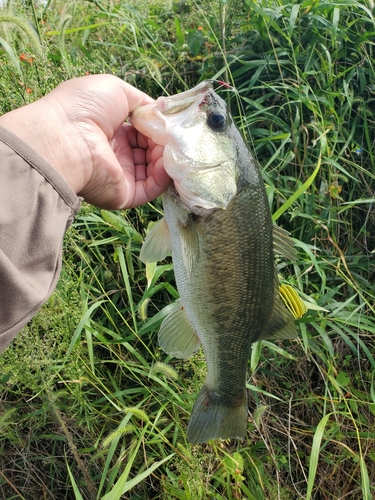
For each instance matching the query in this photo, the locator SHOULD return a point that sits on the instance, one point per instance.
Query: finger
(135, 97)
(141, 172)
(103, 100)
(156, 153)
(147, 184)
(120, 144)
(128, 131)
(136, 139)
(160, 175)
(139, 156)
(142, 141)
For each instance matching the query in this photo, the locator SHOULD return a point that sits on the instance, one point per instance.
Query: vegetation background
(90, 408)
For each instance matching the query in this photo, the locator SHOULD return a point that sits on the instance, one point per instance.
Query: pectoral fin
(283, 244)
(189, 245)
(281, 324)
(157, 244)
(176, 335)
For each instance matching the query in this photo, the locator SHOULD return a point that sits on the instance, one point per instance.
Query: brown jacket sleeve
(36, 207)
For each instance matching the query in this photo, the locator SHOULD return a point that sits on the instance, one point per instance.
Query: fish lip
(177, 103)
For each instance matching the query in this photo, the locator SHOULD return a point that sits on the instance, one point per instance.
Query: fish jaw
(154, 119)
(200, 160)
(180, 102)
(149, 121)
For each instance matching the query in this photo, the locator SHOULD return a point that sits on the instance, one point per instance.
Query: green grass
(90, 407)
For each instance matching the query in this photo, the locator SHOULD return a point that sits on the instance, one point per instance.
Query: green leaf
(77, 493)
(343, 379)
(85, 319)
(75, 30)
(8, 49)
(179, 34)
(123, 485)
(119, 223)
(292, 19)
(195, 41)
(279, 350)
(256, 351)
(297, 194)
(314, 457)
(335, 22)
(365, 481)
(126, 277)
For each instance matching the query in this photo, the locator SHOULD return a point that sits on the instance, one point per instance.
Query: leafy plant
(90, 407)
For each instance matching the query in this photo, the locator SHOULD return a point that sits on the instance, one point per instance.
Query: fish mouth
(197, 100)
(203, 179)
(175, 104)
(153, 119)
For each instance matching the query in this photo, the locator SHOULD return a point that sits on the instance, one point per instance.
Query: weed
(89, 405)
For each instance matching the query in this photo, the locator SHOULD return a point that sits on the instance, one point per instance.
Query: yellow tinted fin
(292, 300)
(189, 244)
(283, 244)
(157, 244)
(281, 324)
(176, 335)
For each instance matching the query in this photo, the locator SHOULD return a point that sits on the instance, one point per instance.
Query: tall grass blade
(77, 493)
(126, 277)
(293, 18)
(69, 31)
(112, 449)
(12, 56)
(298, 193)
(85, 318)
(179, 34)
(365, 481)
(122, 486)
(314, 457)
(335, 22)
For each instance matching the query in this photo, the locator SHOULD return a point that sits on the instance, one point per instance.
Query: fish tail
(215, 417)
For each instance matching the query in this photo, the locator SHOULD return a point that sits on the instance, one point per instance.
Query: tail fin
(212, 418)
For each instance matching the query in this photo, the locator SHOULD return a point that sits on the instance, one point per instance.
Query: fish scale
(229, 298)
(217, 216)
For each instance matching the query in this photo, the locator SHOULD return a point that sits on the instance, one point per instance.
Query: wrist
(44, 129)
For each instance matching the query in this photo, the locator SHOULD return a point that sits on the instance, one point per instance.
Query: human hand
(79, 129)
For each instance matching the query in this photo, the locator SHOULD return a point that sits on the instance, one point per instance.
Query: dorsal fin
(282, 243)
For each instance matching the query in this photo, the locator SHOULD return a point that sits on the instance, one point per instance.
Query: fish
(218, 227)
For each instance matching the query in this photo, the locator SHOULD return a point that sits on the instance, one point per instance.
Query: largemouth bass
(218, 226)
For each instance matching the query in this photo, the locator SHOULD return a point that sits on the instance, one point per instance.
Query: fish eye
(217, 121)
